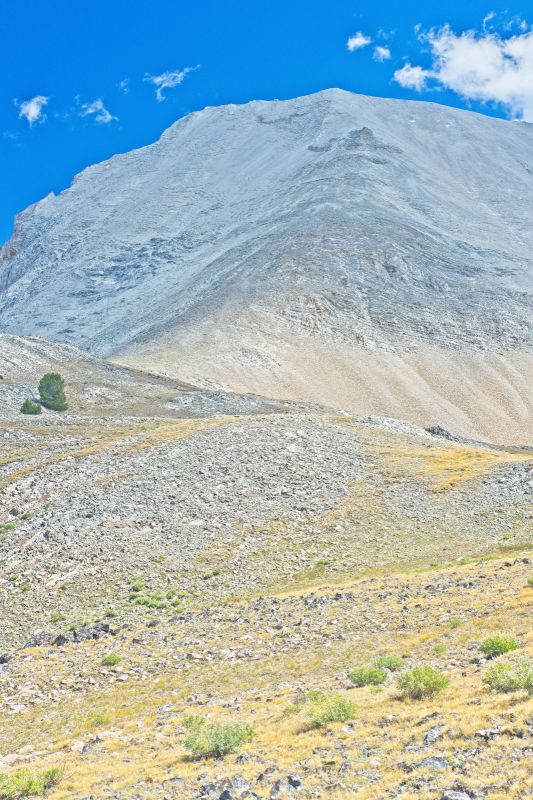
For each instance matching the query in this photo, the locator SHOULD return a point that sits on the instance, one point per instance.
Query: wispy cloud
(98, 109)
(168, 80)
(382, 53)
(486, 67)
(124, 84)
(33, 110)
(358, 41)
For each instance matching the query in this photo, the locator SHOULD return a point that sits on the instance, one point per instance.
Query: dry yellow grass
(137, 745)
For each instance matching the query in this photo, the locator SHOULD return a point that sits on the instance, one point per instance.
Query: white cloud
(124, 85)
(485, 67)
(168, 80)
(411, 77)
(358, 41)
(382, 53)
(97, 107)
(32, 110)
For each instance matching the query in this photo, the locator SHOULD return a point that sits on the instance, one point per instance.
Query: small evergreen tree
(52, 392)
(29, 407)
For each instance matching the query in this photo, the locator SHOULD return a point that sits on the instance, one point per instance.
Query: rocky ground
(235, 554)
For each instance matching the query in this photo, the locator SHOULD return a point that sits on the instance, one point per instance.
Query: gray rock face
(365, 219)
(367, 254)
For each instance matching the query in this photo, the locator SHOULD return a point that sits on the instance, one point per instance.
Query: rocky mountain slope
(371, 254)
(168, 551)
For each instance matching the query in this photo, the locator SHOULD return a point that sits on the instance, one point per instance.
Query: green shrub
(99, 719)
(394, 663)
(530, 581)
(439, 649)
(29, 407)
(52, 392)
(510, 677)
(57, 617)
(25, 784)
(454, 623)
(422, 682)
(330, 708)
(368, 676)
(497, 645)
(111, 660)
(214, 740)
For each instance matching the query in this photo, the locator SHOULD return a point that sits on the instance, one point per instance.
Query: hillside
(368, 254)
(168, 551)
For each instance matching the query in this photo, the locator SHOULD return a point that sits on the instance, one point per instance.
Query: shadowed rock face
(329, 224)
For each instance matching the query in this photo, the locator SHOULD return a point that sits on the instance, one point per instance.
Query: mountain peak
(250, 236)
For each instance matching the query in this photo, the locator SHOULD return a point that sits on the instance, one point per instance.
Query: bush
(422, 682)
(368, 676)
(330, 708)
(24, 784)
(52, 392)
(530, 581)
(510, 677)
(29, 407)
(100, 718)
(497, 645)
(111, 660)
(214, 740)
(389, 662)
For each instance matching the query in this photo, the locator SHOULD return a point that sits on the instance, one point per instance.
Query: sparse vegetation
(99, 719)
(497, 645)
(110, 660)
(421, 682)
(214, 740)
(213, 574)
(329, 708)
(29, 407)
(530, 581)
(393, 663)
(56, 617)
(52, 392)
(7, 526)
(27, 784)
(455, 623)
(368, 676)
(514, 677)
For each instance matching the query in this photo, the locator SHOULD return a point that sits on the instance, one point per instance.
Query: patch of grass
(368, 676)
(213, 574)
(455, 623)
(497, 645)
(421, 682)
(214, 740)
(394, 663)
(99, 719)
(291, 709)
(7, 526)
(136, 586)
(510, 677)
(530, 581)
(110, 613)
(56, 617)
(330, 708)
(439, 649)
(27, 784)
(111, 660)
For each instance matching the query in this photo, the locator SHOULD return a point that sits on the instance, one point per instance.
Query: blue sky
(80, 78)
